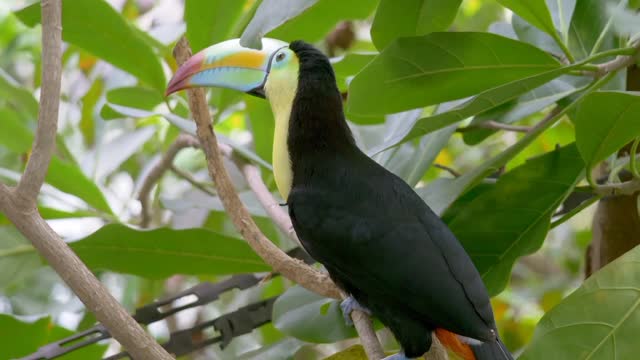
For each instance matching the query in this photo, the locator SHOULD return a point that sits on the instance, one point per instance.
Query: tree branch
(165, 163)
(624, 188)
(45, 139)
(20, 206)
(191, 180)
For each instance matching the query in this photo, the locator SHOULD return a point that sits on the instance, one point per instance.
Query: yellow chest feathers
(281, 89)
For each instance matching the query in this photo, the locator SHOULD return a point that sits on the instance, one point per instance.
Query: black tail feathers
(494, 350)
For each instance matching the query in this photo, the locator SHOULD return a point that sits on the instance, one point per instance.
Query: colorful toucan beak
(227, 65)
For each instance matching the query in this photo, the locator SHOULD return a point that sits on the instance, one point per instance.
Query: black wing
(383, 239)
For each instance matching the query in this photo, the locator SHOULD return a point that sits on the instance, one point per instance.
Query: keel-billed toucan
(377, 239)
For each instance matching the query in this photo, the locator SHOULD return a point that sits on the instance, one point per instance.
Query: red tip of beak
(182, 76)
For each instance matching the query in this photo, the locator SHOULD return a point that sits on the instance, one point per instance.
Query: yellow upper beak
(228, 65)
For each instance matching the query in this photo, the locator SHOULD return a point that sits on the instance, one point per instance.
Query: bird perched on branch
(375, 236)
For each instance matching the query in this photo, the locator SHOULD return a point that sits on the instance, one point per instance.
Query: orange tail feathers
(452, 342)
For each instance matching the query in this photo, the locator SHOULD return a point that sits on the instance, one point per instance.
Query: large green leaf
(418, 71)
(534, 11)
(605, 122)
(414, 17)
(17, 95)
(164, 252)
(348, 66)
(599, 321)
(20, 338)
(270, 15)
(107, 36)
(310, 317)
(512, 218)
(262, 125)
(317, 21)
(561, 14)
(476, 105)
(17, 259)
(588, 25)
(135, 96)
(68, 177)
(14, 134)
(210, 21)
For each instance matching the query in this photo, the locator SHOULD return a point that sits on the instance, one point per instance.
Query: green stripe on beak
(228, 65)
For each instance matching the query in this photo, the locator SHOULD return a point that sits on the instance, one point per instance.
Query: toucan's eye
(279, 57)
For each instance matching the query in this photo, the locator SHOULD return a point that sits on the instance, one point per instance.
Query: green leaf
(89, 102)
(68, 177)
(284, 349)
(163, 252)
(108, 157)
(20, 338)
(270, 15)
(476, 105)
(298, 313)
(522, 203)
(414, 17)
(355, 352)
(599, 321)
(314, 23)
(534, 11)
(14, 135)
(17, 258)
(605, 122)
(588, 25)
(108, 36)
(262, 125)
(534, 36)
(210, 21)
(347, 66)
(419, 71)
(17, 95)
(136, 97)
(561, 14)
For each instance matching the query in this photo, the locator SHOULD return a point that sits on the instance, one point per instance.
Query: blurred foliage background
(115, 125)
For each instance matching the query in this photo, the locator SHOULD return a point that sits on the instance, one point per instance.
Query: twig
(624, 188)
(181, 142)
(494, 125)
(292, 269)
(191, 180)
(451, 171)
(45, 140)
(20, 206)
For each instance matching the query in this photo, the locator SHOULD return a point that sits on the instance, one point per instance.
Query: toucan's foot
(398, 356)
(348, 305)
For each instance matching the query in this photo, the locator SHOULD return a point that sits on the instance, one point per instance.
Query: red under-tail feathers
(452, 342)
(494, 350)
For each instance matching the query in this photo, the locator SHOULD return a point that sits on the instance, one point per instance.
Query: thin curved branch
(20, 206)
(45, 139)
(165, 163)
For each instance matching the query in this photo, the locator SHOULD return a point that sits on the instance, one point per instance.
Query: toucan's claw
(348, 305)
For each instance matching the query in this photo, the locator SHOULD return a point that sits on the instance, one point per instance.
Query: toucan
(375, 236)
